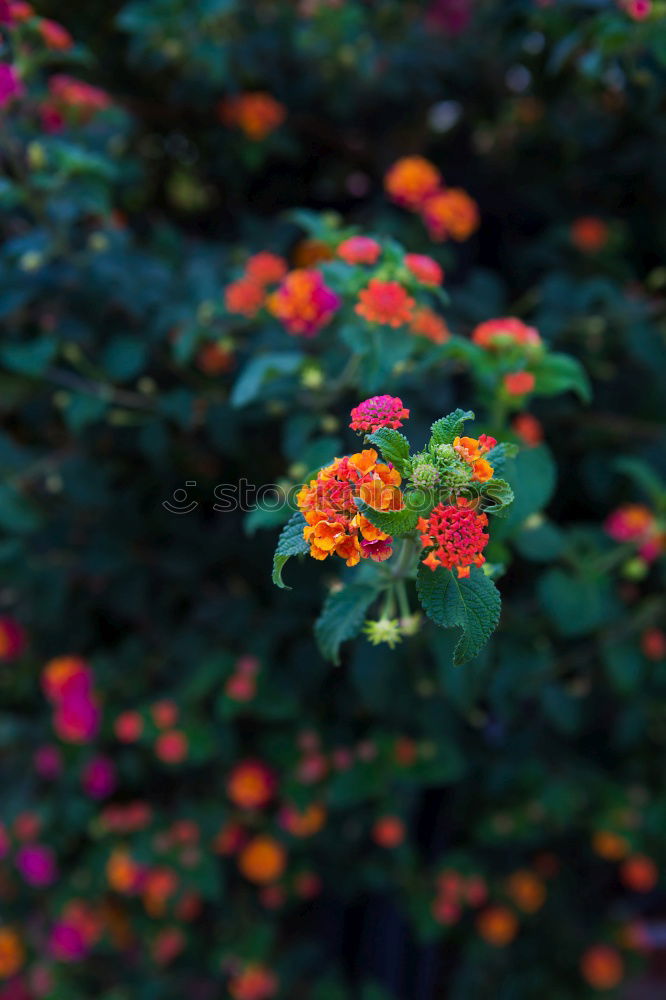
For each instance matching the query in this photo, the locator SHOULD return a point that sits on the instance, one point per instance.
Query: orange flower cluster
(426, 323)
(472, 450)
(303, 303)
(251, 784)
(334, 523)
(385, 302)
(589, 234)
(256, 113)
(497, 925)
(417, 185)
(247, 294)
(11, 953)
(253, 982)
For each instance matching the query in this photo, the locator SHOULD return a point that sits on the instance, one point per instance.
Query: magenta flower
(77, 718)
(37, 864)
(99, 778)
(10, 84)
(67, 942)
(48, 762)
(379, 411)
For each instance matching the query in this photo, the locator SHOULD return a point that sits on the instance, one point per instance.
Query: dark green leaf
(393, 522)
(393, 445)
(342, 617)
(290, 543)
(444, 431)
(472, 604)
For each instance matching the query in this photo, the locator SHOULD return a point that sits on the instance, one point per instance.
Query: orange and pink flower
(359, 250)
(379, 411)
(255, 113)
(303, 303)
(450, 214)
(507, 332)
(454, 537)
(424, 268)
(385, 302)
(411, 180)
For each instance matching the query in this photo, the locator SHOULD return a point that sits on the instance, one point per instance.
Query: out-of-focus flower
(303, 822)
(519, 383)
(54, 35)
(639, 10)
(128, 726)
(497, 925)
(359, 250)
(653, 644)
(424, 268)
(528, 429)
(172, 746)
(12, 639)
(164, 713)
(388, 831)
(48, 762)
(251, 784)
(66, 676)
(168, 944)
(602, 967)
(262, 860)
(303, 303)
(37, 864)
(244, 297)
(589, 234)
(609, 845)
(10, 84)
(450, 214)
(526, 890)
(383, 631)
(216, 358)
(385, 302)
(455, 537)
(639, 873)
(253, 982)
(99, 777)
(256, 113)
(77, 98)
(411, 180)
(634, 522)
(426, 323)
(77, 718)
(266, 268)
(12, 955)
(379, 411)
(504, 333)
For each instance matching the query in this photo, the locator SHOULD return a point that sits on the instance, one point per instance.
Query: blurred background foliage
(406, 829)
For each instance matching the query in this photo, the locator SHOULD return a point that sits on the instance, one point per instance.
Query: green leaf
(472, 604)
(644, 477)
(500, 454)
(393, 522)
(393, 445)
(28, 359)
(290, 543)
(342, 616)
(259, 371)
(533, 476)
(540, 540)
(500, 494)
(575, 605)
(560, 373)
(124, 357)
(445, 430)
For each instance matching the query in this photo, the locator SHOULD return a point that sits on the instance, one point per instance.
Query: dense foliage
(284, 274)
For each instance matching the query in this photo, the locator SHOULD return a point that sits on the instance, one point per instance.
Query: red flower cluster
(359, 250)
(379, 411)
(455, 537)
(385, 302)
(334, 524)
(424, 268)
(416, 184)
(247, 295)
(255, 113)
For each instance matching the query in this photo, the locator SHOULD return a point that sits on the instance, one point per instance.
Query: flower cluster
(385, 302)
(454, 892)
(506, 333)
(448, 213)
(67, 682)
(255, 113)
(472, 451)
(379, 411)
(303, 302)
(637, 524)
(333, 521)
(454, 537)
(247, 295)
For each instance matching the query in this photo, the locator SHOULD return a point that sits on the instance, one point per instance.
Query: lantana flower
(256, 113)
(379, 411)
(506, 332)
(455, 537)
(450, 214)
(425, 322)
(359, 250)
(519, 383)
(472, 451)
(385, 302)
(411, 180)
(634, 522)
(334, 523)
(303, 302)
(424, 268)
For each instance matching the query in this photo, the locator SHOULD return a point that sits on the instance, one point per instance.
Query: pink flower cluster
(67, 683)
(379, 411)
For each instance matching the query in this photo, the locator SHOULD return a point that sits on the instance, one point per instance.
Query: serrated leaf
(290, 543)
(393, 522)
(472, 604)
(560, 373)
(393, 445)
(445, 430)
(342, 616)
(500, 454)
(499, 493)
